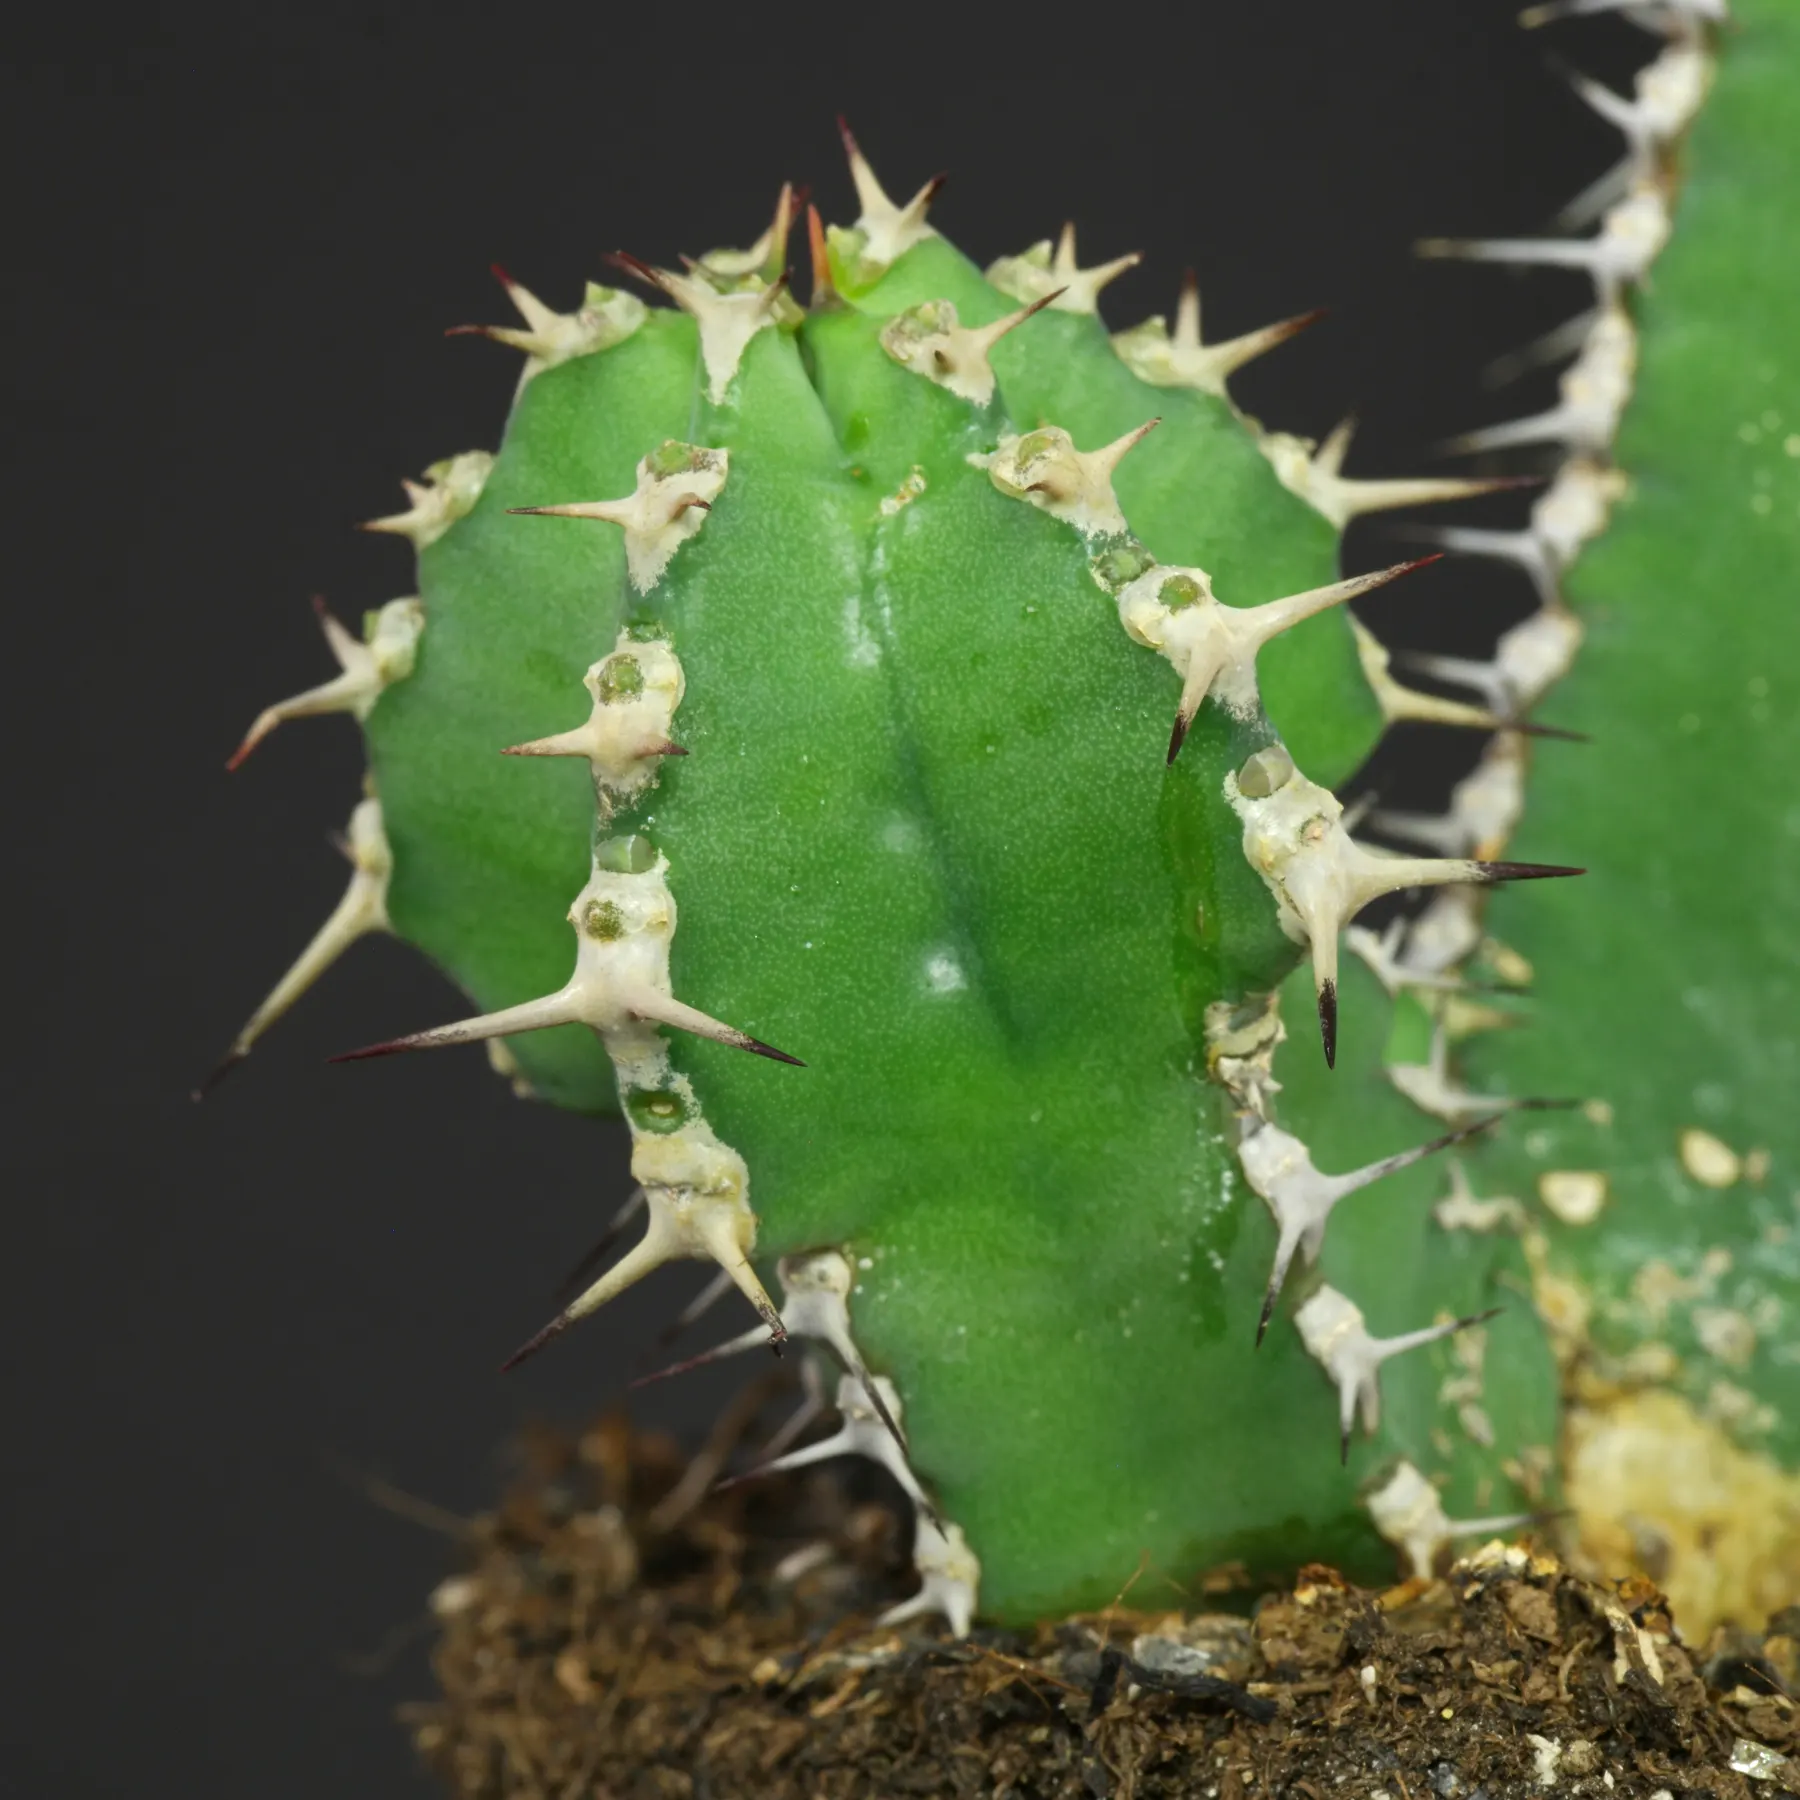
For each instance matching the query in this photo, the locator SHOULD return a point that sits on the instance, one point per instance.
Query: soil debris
(597, 1647)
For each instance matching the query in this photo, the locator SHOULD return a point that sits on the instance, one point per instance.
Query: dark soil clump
(618, 1636)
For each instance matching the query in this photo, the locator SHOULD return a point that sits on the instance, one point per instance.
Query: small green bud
(929, 319)
(602, 921)
(1179, 591)
(656, 1109)
(1121, 565)
(673, 458)
(642, 629)
(628, 855)
(1265, 773)
(621, 678)
(847, 243)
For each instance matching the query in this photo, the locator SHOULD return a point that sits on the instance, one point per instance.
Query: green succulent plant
(975, 684)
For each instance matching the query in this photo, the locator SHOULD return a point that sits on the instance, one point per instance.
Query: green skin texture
(1667, 981)
(1680, 1009)
(1064, 1269)
(927, 736)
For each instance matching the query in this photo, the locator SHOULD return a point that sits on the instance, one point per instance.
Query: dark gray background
(235, 246)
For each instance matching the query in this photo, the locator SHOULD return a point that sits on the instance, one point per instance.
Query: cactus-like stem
(926, 570)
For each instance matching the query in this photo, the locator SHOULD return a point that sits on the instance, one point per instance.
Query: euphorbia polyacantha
(975, 682)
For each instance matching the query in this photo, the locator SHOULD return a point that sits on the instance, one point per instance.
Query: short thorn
(1015, 320)
(1531, 728)
(675, 1368)
(824, 289)
(533, 1344)
(393, 1047)
(755, 1045)
(1518, 871)
(1268, 1312)
(636, 267)
(219, 1071)
(1290, 328)
(579, 1277)
(1178, 736)
(1406, 568)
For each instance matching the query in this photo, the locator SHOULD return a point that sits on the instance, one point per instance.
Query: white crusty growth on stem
(1055, 277)
(727, 321)
(676, 485)
(1280, 1171)
(1400, 703)
(1044, 468)
(1409, 1512)
(930, 340)
(362, 910)
(869, 1411)
(1178, 358)
(706, 1216)
(624, 921)
(1432, 1088)
(949, 1578)
(696, 1189)
(370, 666)
(1570, 513)
(1632, 235)
(448, 493)
(1667, 94)
(1213, 647)
(1314, 474)
(1529, 659)
(815, 1307)
(1462, 1209)
(1594, 390)
(1295, 840)
(1332, 1328)
(887, 231)
(1384, 956)
(625, 737)
(1485, 806)
(766, 257)
(870, 1426)
(1444, 934)
(606, 316)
